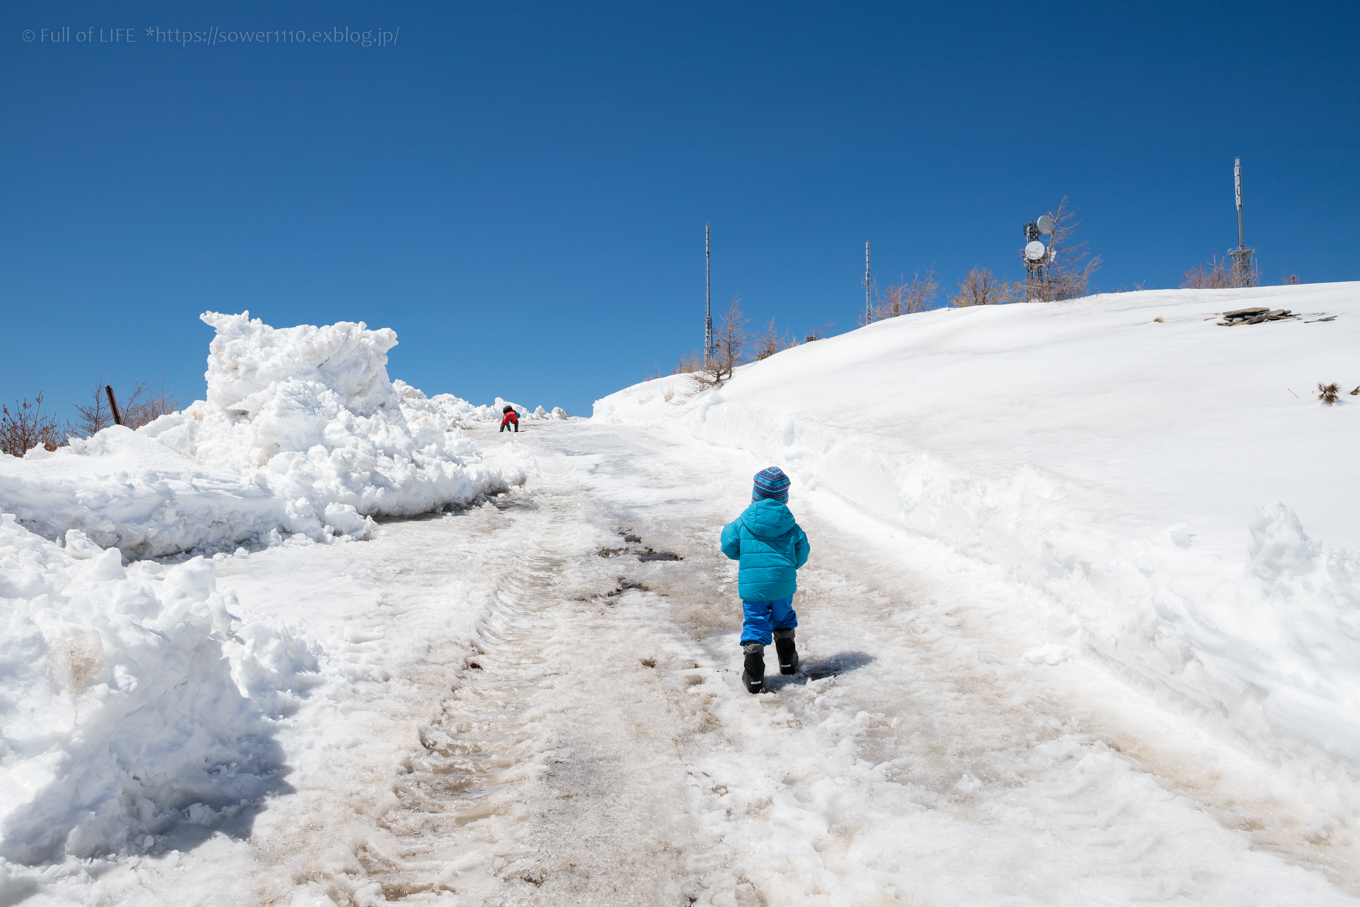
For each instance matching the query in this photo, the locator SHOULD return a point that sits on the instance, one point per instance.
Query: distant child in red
(511, 418)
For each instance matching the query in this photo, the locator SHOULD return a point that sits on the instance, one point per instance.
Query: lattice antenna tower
(868, 285)
(1037, 257)
(1243, 266)
(708, 303)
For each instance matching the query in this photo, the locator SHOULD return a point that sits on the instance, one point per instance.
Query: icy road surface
(532, 702)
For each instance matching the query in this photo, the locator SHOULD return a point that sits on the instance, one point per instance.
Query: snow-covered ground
(1174, 488)
(532, 700)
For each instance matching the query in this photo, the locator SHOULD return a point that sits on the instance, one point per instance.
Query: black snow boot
(754, 675)
(788, 654)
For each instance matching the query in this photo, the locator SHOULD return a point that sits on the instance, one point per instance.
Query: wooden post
(113, 405)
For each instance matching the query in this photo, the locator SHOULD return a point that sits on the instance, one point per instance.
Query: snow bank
(1124, 454)
(302, 432)
(456, 412)
(123, 488)
(130, 698)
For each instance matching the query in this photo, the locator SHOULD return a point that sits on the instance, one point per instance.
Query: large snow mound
(301, 432)
(130, 698)
(1151, 471)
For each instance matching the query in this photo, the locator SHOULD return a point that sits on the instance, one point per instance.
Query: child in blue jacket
(770, 548)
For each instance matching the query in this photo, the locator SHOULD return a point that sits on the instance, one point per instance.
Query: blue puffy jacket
(770, 547)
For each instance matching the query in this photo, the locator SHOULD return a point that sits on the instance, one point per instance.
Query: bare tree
(1217, 274)
(906, 297)
(980, 287)
(1070, 266)
(26, 427)
(730, 342)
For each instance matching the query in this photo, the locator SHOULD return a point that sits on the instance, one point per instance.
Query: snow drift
(130, 698)
(301, 432)
(1151, 471)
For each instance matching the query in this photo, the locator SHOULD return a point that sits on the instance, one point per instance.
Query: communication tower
(1243, 267)
(1038, 257)
(868, 284)
(708, 304)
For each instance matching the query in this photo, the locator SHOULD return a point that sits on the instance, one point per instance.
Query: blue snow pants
(762, 617)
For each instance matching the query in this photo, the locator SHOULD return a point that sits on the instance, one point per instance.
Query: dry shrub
(771, 342)
(1327, 392)
(980, 287)
(906, 297)
(137, 409)
(96, 417)
(689, 364)
(145, 405)
(819, 333)
(1216, 275)
(26, 427)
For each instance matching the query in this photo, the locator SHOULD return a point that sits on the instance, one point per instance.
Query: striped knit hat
(771, 483)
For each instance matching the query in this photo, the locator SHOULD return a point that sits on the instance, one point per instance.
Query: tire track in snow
(550, 772)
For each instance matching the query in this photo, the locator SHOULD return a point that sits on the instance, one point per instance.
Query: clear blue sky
(521, 191)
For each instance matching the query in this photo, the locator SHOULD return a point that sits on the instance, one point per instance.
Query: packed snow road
(538, 701)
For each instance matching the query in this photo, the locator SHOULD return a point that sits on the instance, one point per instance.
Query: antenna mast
(1244, 269)
(708, 303)
(1038, 257)
(868, 309)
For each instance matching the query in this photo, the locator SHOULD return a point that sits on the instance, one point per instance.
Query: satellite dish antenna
(1035, 251)
(1045, 224)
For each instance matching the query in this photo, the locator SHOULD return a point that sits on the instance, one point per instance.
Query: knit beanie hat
(771, 483)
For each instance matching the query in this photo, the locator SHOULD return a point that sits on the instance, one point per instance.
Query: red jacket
(511, 416)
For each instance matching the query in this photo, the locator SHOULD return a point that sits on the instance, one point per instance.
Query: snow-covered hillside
(1173, 486)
